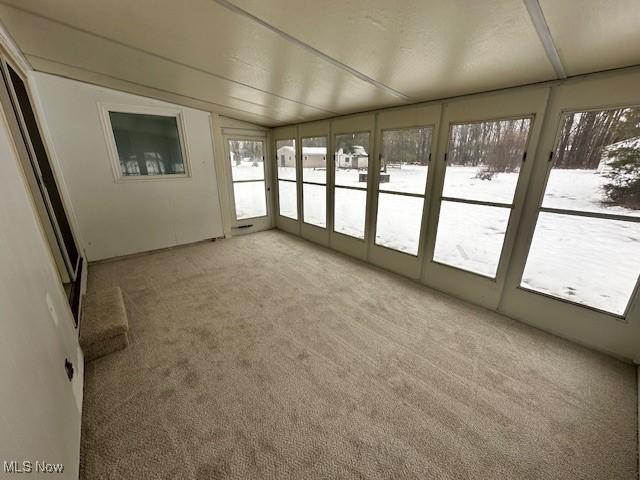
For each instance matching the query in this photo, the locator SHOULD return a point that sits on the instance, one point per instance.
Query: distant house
(607, 158)
(287, 156)
(314, 157)
(359, 158)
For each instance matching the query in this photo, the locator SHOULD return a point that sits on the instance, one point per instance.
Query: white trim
(104, 108)
(56, 166)
(262, 222)
(12, 50)
(59, 246)
(542, 29)
(603, 331)
(470, 285)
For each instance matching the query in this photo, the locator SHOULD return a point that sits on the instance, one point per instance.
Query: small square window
(147, 145)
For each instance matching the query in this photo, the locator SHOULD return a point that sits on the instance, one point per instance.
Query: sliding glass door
(64, 246)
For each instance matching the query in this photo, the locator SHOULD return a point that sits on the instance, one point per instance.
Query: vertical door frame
(253, 224)
(39, 193)
(467, 285)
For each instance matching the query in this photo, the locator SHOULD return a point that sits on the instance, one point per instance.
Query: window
(586, 245)
(147, 145)
(314, 180)
(404, 163)
(247, 174)
(483, 166)
(351, 176)
(287, 191)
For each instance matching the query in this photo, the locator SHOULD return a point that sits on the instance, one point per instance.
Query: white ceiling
(285, 61)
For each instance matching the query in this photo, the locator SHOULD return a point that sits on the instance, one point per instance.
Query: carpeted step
(104, 325)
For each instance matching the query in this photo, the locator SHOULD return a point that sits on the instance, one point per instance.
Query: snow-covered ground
(586, 260)
(251, 199)
(315, 204)
(471, 236)
(580, 190)
(248, 170)
(462, 182)
(288, 199)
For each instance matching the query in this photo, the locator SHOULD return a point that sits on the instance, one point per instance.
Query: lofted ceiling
(285, 61)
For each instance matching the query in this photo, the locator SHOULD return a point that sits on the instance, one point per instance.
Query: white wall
(39, 415)
(127, 217)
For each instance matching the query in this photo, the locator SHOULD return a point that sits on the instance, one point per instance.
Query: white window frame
(285, 223)
(423, 116)
(294, 181)
(578, 213)
(485, 203)
(178, 114)
(582, 323)
(265, 179)
(307, 182)
(477, 288)
(380, 190)
(310, 231)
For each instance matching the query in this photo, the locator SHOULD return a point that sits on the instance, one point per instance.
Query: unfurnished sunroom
(274, 239)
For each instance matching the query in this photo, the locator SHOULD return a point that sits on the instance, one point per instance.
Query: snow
(408, 179)
(251, 200)
(250, 197)
(463, 182)
(317, 175)
(288, 200)
(247, 170)
(350, 212)
(399, 219)
(315, 204)
(580, 190)
(585, 260)
(470, 236)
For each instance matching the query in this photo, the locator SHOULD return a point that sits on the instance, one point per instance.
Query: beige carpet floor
(267, 357)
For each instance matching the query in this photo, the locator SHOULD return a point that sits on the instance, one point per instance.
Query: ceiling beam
(337, 63)
(540, 24)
